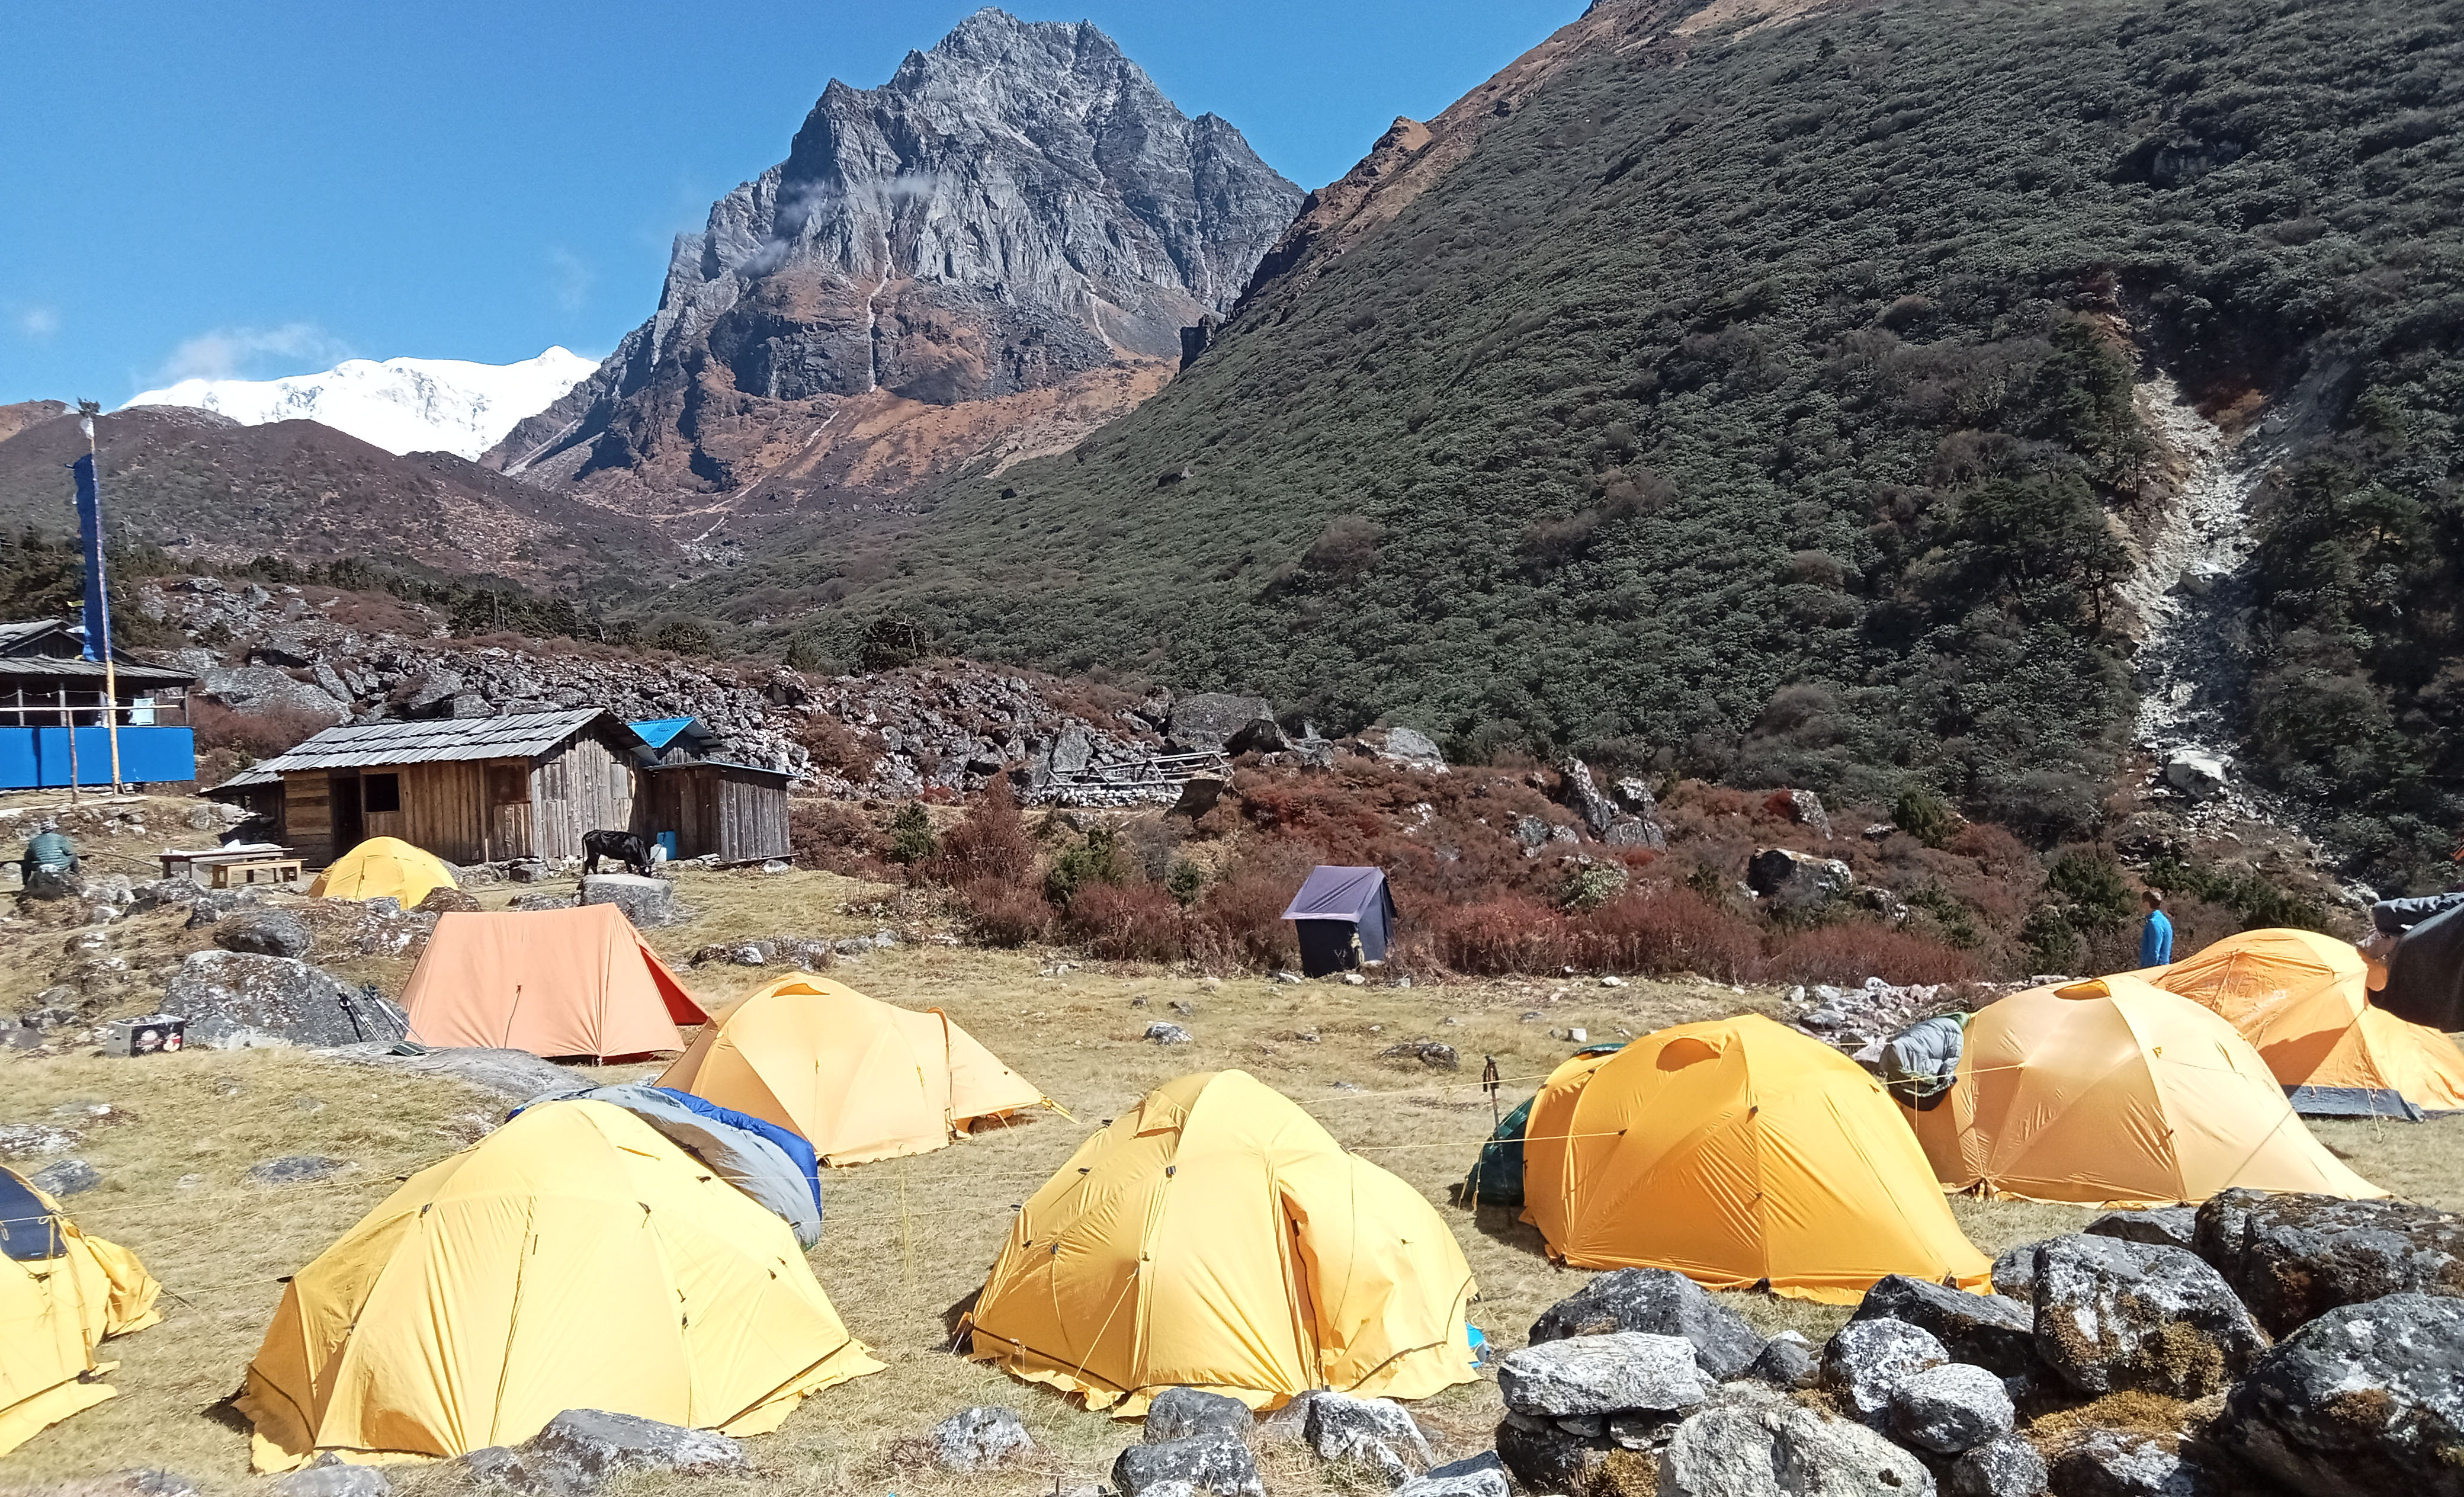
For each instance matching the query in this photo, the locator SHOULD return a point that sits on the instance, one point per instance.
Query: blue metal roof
(660, 732)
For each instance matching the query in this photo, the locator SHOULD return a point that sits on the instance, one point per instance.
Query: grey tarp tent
(2425, 973)
(742, 1156)
(1334, 906)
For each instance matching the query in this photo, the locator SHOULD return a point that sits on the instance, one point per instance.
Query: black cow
(629, 848)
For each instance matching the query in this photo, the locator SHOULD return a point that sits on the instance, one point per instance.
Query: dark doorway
(350, 826)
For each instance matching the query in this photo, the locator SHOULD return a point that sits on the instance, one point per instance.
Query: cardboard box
(153, 1034)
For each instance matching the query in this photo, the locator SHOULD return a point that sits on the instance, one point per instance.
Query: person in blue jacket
(2156, 937)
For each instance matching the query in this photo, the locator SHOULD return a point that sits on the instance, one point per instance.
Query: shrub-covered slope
(1758, 400)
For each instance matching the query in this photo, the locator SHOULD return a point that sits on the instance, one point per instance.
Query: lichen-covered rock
(2112, 1315)
(647, 902)
(2367, 1399)
(66, 1177)
(2005, 1467)
(337, 1479)
(1988, 1330)
(296, 1169)
(1659, 1302)
(979, 1439)
(1483, 1475)
(1177, 1413)
(2292, 1258)
(1602, 1374)
(1788, 1361)
(2112, 1464)
(580, 1450)
(1545, 1457)
(2166, 1226)
(1868, 1359)
(1766, 1445)
(1950, 1408)
(1214, 1461)
(238, 999)
(1795, 881)
(266, 933)
(1374, 1434)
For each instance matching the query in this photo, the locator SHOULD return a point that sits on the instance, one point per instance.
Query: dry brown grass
(905, 1240)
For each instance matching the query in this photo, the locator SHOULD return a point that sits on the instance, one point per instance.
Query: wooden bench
(283, 871)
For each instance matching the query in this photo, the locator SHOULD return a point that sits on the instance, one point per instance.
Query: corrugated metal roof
(716, 764)
(258, 776)
(525, 736)
(71, 667)
(31, 628)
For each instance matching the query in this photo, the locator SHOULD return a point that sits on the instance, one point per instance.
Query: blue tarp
(765, 1161)
(660, 732)
(39, 758)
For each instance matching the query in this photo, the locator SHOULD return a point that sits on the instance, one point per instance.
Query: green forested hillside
(1769, 417)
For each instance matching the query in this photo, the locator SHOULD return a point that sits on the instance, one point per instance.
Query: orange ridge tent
(1739, 1153)
(859, 1079)
(578, 982)
(2302, 1001)
(2114, 1092)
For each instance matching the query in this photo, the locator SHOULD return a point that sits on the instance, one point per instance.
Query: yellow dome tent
(1217, 1236)
(2114, 1092)
(382, 867)
(860, 1079)
(1738, 1152)
(574, 1259)
(2302, 1001)
(61, 1292)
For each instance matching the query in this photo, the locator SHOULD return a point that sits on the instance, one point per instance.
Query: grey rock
(1952, 1408)
(979, 1439)
(1214, 1461)
(1794, 881)
(66, 1177)
(580, 1450)
(265, 933)
(35, 1140)
(1428, 1052)
(1408, 747)
(647, 902)
(2292, 1258)
(338, 1480)
(2111, 1463)
(517, 1075)
(1483, 1475)
(1787, 1361)
(213, 904)
(2112, 1315)
(153, 1482)
(1211, 720)
(1602, 1374)
(1582, 796)
(1806, 808)
(1374, 1434)
(238, 999)
(1661, 1302)
(163, 893)
(1988, 1330)
(1761, 1443)
(2014, 1273)
(257, 689)
(1163, 1033)
(1545, 1458)
(2367, 1399)
(1635, 831)
(1179, 1413)
(2168, 1226)
(2005, 1467)
(296, 1169)
(2196, 773)
(544, 902)
(1865, 1363)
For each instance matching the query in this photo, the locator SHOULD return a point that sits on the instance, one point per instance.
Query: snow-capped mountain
(401, 404)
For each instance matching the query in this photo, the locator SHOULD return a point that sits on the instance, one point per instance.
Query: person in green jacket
(51, 851)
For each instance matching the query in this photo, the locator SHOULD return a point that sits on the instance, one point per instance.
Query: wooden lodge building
(491, 789)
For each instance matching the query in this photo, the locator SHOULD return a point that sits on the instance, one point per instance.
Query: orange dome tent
(2114, 1092)
(1215, 1237)
(382, 867)
(578, 982)
(860, 1079)
(2302, 1001)
(1737, 1153)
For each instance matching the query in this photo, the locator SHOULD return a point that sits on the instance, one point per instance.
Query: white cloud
(36, 321)
(237, 352)
(569, 278)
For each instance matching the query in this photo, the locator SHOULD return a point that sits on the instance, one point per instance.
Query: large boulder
(1867, 1360)
(1408, 747)
(265, 933)
(1795, 881)
(1177, 1413)
(1582, 796)
(2005, 1467)
(2166, 1226)
(2113, 1315)
(518, 1074)
(1988, 1329)
(236, 999)
(979, 1439)
(645, 901)
(1659, 1302)
(1208, 719)
(1952, 1408)
(2294, 1258)
(1214, 1461)
(2111, 1462)
(260, 689)
(582, 1450)
(1762, 1443)
(1788, 1361)
(1602, 1374)
(1374, 1434)
(2365, 1399)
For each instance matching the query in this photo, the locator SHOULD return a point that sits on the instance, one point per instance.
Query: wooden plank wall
(444, 811)
(588, 785)
(308, 815)
(752, 816)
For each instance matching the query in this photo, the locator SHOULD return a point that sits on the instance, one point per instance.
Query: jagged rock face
(1016, 207)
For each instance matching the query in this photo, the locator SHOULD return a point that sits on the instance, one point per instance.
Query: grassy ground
(906, 1239)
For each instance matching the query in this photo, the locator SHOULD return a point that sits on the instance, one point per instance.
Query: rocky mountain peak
(1015, 208)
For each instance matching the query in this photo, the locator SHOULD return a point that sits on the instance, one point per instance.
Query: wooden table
(285, 871)
(180, 863)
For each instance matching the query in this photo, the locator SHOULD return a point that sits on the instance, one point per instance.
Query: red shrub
(1508, 935)
(1126, 922)
(990, 842)
(829, 834)
(255, 734)
(1850, 953)
(1669, 930)
(1003, 913)
(1240, 921)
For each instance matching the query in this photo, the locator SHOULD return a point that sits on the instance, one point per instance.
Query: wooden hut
(467, 789)
(708, 806)
(56, 724)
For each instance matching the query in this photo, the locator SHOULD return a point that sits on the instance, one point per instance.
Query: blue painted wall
(37, 758)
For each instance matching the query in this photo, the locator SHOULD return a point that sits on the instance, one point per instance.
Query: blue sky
(258, 189)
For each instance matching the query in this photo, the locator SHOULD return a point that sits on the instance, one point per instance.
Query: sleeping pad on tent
(761, 1159)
